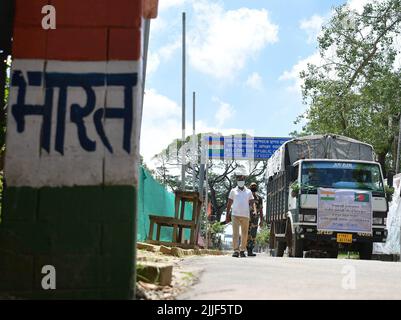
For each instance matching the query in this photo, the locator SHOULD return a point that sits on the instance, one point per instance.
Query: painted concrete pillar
(72, 149)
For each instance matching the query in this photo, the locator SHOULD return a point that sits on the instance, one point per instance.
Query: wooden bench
(178, 222)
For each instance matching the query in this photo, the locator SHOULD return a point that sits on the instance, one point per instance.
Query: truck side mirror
(390, 178)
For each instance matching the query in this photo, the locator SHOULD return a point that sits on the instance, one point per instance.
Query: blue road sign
(243, 147)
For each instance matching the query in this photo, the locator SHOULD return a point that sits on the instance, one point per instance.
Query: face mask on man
(254, 189)
(241, 183)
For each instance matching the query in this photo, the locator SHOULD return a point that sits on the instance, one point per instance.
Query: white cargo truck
(323, 192)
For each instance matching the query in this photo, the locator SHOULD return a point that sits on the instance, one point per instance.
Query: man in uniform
(256, 213)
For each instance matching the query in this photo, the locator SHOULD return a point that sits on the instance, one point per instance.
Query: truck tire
(333, 253)
(365, 250)
(295, 244)
(297, 248)
(272, 240)
(279, 248)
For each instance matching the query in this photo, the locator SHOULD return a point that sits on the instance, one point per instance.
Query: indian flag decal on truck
(327, 195)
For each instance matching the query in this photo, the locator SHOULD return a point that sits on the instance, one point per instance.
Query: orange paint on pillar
(29, 43)
(78, 13)
(124, 44)
(29, 13)
(124, 13)
(77, 44)
(150, 9)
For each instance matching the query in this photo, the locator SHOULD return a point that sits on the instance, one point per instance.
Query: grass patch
(146, 274)
(187, 276)
(348, 255)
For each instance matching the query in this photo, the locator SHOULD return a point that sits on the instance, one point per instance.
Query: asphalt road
(265, 278)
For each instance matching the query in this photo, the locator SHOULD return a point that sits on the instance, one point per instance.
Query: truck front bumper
(310, 233)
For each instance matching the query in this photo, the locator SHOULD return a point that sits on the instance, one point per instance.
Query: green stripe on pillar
(86, 233)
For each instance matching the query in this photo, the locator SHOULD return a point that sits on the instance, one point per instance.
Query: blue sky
(244, 57)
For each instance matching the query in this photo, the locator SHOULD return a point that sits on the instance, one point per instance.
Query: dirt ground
(183, 277)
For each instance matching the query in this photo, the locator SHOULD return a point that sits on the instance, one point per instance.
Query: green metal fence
(153, 198)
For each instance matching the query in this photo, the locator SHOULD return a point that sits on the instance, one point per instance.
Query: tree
(216, 230)
(356, 90)
(263, 236)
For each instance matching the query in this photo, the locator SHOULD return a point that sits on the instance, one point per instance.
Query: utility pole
(145, 59)
(183, 104)
(207, 203)
(194, 149)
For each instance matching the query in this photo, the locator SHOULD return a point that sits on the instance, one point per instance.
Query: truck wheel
(295, 244)
(272, 240)
(280, 248)
(365, 251)
(333, 253)
(297, 248)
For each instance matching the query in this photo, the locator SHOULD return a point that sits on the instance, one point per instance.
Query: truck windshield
(344, 175)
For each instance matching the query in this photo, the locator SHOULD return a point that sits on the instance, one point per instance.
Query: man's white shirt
(240, 199)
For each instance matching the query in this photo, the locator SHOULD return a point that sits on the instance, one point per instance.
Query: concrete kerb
(178, 252)
(155, 272)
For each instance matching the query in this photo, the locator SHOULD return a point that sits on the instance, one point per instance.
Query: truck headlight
(309, 218)
(378, 221)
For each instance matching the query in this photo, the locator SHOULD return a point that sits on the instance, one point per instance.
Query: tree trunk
(382, 161)
(213, 199)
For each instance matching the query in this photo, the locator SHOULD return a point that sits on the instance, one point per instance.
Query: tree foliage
(356, 89)
(262, 238)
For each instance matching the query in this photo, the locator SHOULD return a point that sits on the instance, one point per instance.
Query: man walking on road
(239, 199)
(256, 212)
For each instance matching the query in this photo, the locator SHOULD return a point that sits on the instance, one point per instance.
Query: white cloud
(157, 26)
(224, 112)
(161, 123)
(220, 42)
(255, 81)
(164, 54)
(159, 106)
(358, 5)
(168, 50)
(293, 74)
(223, 41)
(312, 27)
(152, 63)
(167, 4)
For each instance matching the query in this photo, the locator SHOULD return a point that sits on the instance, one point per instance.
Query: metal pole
(183, 104)
(145, 61)
(193, 142)
(201, 180)
(207, 204)
(397, 166)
